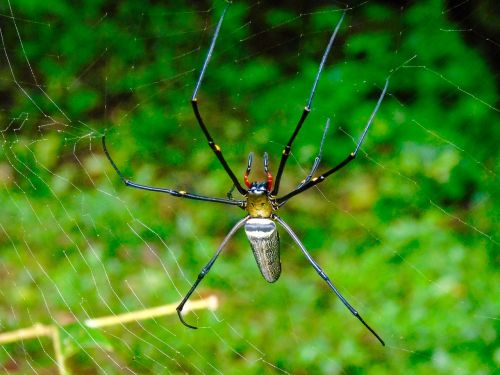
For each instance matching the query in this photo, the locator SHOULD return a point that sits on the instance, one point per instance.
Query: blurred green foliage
(407, 232)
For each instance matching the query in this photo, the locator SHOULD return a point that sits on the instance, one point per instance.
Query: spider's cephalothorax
(260, 229)
(261, 198)
(259, 203)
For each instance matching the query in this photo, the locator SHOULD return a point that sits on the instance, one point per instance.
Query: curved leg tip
(372, 331)
(179, 314)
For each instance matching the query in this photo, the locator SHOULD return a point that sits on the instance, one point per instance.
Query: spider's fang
(269, 181)
(247, 183)
(249, 168)
(266, 170)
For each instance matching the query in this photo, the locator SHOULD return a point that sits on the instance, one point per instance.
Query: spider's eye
(258, 187)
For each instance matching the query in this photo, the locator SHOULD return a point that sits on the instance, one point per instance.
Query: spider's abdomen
(265, 242)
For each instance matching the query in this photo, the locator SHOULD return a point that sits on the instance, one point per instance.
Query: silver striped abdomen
(265, 243)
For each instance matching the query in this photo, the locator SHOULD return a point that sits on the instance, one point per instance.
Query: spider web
(408, 232)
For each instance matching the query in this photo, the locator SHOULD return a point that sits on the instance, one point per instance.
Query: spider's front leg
(305, 112)
(194, 103)
(316, 180)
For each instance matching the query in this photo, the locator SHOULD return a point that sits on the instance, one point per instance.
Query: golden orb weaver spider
(261, 199)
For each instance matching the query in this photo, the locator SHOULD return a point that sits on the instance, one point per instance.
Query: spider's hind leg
(206, 269)
(323, 275)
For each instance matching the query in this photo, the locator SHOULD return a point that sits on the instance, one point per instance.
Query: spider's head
(259, 188)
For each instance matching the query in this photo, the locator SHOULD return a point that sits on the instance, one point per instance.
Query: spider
(260, 199)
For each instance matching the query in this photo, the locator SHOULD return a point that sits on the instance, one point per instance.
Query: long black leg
(317, 160)
(175, 193)
(343, 163)
(322, 274)
(194, 102)
(307, 109)
(205, 270)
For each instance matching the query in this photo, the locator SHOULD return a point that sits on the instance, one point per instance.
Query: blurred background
(408, 232)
